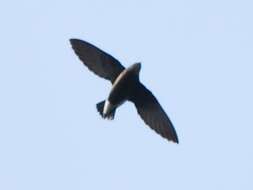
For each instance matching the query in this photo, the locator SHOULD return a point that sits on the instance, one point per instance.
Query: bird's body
(125, 86)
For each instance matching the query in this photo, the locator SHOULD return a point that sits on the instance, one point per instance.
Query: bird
(126, 86)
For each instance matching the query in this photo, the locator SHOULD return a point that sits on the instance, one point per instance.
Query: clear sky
(197, 59)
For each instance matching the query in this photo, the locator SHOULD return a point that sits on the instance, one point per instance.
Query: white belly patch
(107, 107)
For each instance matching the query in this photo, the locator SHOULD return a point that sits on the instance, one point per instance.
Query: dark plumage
(125, 86)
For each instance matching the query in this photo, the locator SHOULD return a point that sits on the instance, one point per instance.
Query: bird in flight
(125, 86)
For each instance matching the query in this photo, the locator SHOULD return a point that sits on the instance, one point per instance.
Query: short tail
(100, 108)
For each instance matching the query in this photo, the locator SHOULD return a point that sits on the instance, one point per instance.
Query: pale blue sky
(197, 59)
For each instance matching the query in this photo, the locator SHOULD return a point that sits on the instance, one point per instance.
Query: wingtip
(172, 138)
(176, 141)
(73, 40)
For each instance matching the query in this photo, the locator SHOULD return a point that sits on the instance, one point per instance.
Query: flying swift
(126, 86)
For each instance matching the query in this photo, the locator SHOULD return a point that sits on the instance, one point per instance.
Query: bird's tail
(100, 108)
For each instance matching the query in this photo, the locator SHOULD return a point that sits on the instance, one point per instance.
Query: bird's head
(136, 68)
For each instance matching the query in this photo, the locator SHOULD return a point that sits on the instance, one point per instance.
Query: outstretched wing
(101, 63)
(153, 114)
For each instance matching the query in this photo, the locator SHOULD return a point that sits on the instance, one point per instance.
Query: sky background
(197, 59)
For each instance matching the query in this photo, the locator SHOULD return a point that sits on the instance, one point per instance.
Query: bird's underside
(126, 86)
